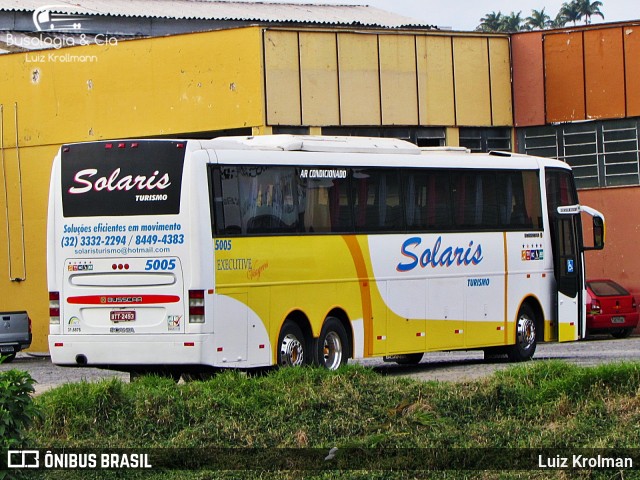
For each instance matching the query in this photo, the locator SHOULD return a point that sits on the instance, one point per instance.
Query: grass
(542, 407)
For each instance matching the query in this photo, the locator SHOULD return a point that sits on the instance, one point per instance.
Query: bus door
(566, 234)
(568, 270)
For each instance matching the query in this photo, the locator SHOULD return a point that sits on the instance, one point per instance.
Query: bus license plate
(617, 320)
(123, 316)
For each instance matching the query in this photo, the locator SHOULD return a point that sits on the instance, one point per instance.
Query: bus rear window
(121, 178)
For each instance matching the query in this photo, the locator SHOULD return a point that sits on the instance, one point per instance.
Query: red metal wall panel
(528, 79)
(632, 66)
(564, 82)
(604, 73)
(619, 260)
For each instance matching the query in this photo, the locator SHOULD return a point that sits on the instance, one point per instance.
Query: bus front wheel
(526, 338)
(332, 347)
(292, 351)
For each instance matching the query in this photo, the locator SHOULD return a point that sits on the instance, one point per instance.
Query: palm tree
(538, 19)
(491, 22)
(512, 23)
(588, 9)
(570, 12)
(558, 22)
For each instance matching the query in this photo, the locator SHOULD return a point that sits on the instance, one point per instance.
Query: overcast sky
(466, 14)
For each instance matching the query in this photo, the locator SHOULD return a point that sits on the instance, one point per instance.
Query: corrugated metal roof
(317, 14)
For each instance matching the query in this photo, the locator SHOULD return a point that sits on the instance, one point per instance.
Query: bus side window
(376, 194)
(268, 199)
(532, 198)
(519, 196)
(427, 200)
(227, 202)
(340, 206)
(314, 206)
(255, 200)
(475, 200)
(324, 205)
(490, 216)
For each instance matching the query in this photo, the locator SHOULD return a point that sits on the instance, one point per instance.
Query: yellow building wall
(359, 74)
(472, 85)
(319, 78)
(159, 86)
(184, 83)
(282, 78)
(27, 264)
(435, 80)
(398, 80)
(501, 98)
(387, 78)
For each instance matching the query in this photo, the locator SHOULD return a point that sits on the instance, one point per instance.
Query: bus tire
(332, 346)
(408, 358)
(621, 332)
(292, 346)
(494, 353)
(526, 339)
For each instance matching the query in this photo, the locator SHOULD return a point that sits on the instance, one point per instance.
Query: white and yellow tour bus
(176, 256)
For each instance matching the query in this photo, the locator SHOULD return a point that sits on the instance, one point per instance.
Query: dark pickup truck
(15, 334)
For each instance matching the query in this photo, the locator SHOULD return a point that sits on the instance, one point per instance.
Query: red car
(610, 308)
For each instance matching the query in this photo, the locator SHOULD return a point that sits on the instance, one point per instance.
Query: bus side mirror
(597, 221)
(598, 233)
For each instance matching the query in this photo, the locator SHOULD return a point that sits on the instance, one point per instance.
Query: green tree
(588, 9)
(538, 19)
(491, 22)
(558, 22)
(570, 12)
(512, 22)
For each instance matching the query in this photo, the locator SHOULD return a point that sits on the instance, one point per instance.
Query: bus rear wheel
(292, 349)
(526, 339)
(332, 347)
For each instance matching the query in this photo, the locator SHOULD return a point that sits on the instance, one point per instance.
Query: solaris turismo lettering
(113, 182)
(431, 257)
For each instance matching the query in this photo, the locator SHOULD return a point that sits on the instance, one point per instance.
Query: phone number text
(121, 240)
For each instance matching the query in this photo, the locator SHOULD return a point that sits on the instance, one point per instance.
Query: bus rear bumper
(119, 352)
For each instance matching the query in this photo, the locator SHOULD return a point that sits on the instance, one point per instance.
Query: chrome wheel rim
(526, 332)
(332, 351)
(291, 352)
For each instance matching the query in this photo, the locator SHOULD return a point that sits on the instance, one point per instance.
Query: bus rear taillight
(54, 308)
(196, 306)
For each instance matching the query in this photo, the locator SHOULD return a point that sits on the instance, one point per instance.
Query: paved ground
(48, 375)
(461, 366)
(442, 366)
